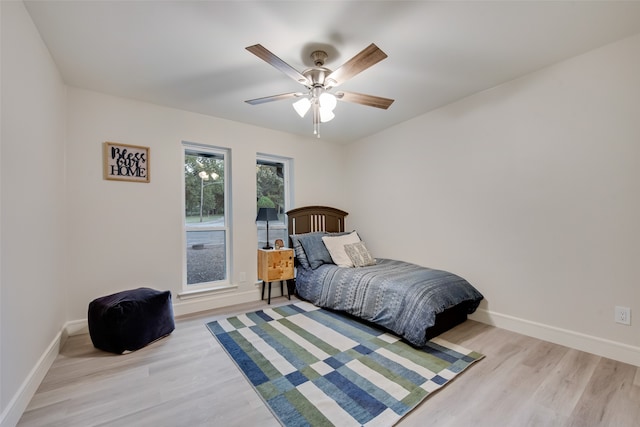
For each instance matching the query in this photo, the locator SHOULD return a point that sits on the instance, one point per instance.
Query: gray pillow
(315, 251)
(359, 254)
(299, 251)
(314, 248)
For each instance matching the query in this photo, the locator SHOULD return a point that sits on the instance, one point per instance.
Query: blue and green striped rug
(315, 367)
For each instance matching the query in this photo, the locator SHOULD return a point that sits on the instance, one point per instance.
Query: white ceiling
(191, 54)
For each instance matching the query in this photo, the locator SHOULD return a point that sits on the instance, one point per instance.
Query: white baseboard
(16, 407)
(76, 327)
(196, 305)
(576, 340)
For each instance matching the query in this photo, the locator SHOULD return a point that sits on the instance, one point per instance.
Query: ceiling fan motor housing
(316, 76)
(318, 57)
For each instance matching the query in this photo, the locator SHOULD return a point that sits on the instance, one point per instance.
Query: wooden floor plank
(562, 389)
(188, 379)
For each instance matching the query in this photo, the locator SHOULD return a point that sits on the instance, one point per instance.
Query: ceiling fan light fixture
(327, 101)
(326, 115)
(302, 106)
(319, 80)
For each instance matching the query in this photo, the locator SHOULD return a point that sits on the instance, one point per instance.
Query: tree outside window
(205, 217)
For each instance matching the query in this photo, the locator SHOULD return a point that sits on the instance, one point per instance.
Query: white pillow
(335, 246)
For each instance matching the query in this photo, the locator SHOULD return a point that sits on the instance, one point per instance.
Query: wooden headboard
(308, 219)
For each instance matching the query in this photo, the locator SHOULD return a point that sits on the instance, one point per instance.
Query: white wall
(69, 236)
(124, 235)
(33, 287)
(530, 190)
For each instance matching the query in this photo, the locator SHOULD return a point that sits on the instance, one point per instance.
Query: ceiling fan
(319, 80)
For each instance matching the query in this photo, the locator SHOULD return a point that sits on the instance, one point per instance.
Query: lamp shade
(267, 214)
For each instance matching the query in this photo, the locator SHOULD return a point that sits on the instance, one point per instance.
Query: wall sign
(124, 162)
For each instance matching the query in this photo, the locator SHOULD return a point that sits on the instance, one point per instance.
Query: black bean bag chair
(129, 320)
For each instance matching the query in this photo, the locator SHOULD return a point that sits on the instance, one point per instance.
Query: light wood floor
(187, 379)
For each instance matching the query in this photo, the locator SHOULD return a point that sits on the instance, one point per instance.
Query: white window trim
(288, 198)
(201, 289)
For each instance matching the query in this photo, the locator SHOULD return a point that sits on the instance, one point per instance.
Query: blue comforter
(397, 295)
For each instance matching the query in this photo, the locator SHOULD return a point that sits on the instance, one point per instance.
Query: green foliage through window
(204, 186)
(270, 186)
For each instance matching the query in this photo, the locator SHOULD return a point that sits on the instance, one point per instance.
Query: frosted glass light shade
(302, 106)
(326, 115)
(327, 101)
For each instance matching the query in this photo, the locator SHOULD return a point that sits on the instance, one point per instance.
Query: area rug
(316, 367)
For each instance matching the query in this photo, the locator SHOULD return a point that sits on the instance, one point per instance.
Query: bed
(335, 270)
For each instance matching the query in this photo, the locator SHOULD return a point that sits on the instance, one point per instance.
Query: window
(206, 221)
(272, 174)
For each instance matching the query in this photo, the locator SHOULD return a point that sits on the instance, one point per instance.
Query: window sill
(206, 292)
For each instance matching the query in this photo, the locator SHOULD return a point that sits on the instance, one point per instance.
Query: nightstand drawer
(276, 264)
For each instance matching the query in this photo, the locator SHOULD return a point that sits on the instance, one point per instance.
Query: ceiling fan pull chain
(316, 118)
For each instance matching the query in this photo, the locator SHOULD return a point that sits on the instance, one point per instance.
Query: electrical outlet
(242, 277)
(623, 315)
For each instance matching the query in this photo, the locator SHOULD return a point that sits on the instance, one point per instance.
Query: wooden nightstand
(275, 265)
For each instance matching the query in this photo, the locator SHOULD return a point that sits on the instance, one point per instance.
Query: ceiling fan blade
(273, 98)
(369, 100)
(264, 54)
(369, 56)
